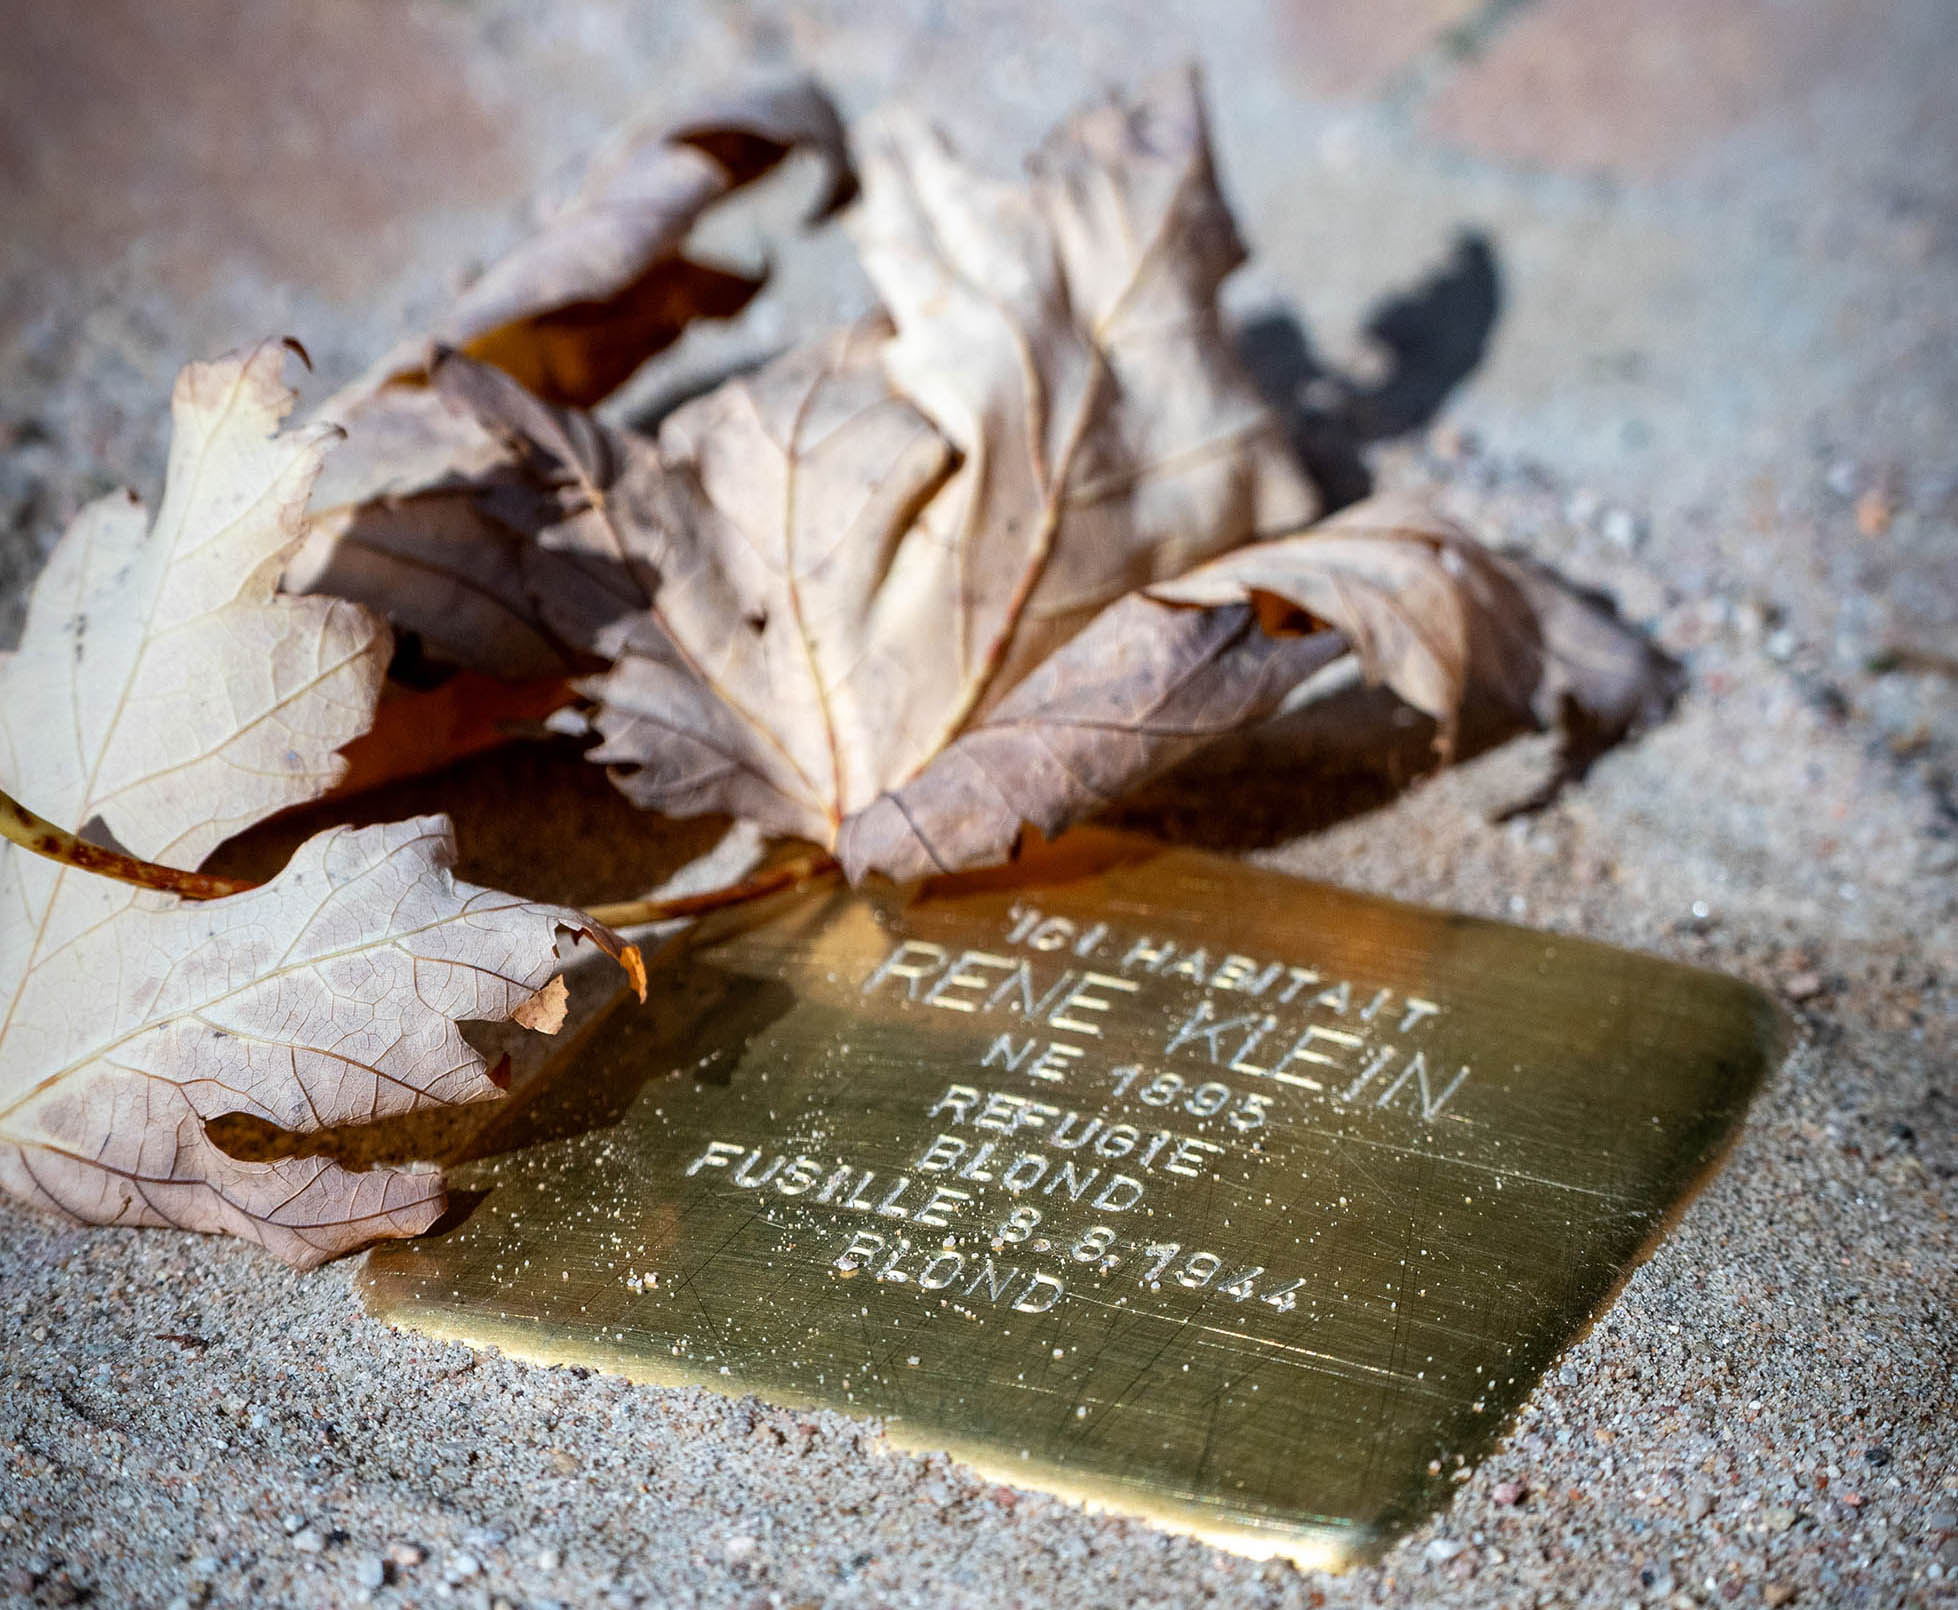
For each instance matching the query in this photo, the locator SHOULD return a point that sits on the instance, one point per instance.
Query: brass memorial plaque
(1245, 1205)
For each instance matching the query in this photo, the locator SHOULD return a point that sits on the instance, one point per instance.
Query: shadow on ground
(1434, 336)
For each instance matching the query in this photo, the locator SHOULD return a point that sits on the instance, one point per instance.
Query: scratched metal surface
(1245, 1205)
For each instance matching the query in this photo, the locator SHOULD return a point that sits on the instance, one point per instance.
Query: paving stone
(1592, 86)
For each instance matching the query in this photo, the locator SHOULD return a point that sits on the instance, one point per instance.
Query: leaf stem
(784, 875)
(38, 834)
(42, 837)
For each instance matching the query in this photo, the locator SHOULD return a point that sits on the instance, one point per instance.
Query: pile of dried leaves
(988, 559)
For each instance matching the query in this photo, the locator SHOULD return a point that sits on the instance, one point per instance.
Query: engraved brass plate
(1245, 1205)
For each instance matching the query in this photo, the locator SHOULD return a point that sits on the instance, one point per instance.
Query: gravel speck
(1622, 528)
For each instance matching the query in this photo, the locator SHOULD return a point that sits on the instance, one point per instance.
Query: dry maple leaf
(163, 689)
(820, 574)
(942, 574)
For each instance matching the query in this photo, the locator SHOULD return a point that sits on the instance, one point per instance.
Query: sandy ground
(1669, 300)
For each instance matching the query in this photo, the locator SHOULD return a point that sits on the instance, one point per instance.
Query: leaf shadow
(1351, 752)
(533, 817)
(645, 414)
(699, 1025)
(1434, 336)
(1358, 748)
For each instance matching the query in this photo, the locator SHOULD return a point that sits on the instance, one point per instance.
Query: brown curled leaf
(577, 307)
(1433, 614)
(1006, 549)
(571, 312)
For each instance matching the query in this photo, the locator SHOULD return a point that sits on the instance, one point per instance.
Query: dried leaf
(329, 996)
(572, 311)
(164, 689)
(1432, 613)
(1419, 600)
(820, 574)
(161, 684)
(438, 566)
(1064, 336)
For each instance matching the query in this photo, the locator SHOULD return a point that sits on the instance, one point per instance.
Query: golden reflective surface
(1245, 1205)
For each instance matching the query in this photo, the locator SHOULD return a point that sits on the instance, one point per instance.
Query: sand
(1719, 385)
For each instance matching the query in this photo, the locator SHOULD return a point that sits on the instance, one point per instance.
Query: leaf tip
(626, 955)
(635, 970)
